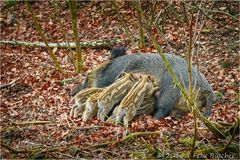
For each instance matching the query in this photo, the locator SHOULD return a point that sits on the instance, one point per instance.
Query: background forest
(41, 64)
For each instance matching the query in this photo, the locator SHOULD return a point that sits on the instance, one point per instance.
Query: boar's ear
(153, 80)
(149, 78)
(117, 52)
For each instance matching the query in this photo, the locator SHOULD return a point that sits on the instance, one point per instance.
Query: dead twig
(91, 127)
(6, 85)
(233, 148)
(124, 139)
(33, 123)
(13, 150)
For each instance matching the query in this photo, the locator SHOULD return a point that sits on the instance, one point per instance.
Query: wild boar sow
(168, 98)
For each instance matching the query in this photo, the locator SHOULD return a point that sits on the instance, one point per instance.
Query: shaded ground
(40, 93)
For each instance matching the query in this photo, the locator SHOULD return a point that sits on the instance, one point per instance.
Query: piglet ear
(131, 76)
(122, 74)
(147, 78)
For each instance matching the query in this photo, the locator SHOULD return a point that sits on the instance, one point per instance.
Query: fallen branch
(12, 149)
(9, 129)
(33, 123)
(233, 148)
(225, 123)
(91, 127)
(8, 84)
(33, 152)
(105, 144)
(106, 43)
(214, 20)
(68, 80)
(39, 154)
(236, 127)
(124, 139)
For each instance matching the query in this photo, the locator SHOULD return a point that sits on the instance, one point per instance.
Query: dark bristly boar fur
(117, 52)
(168, 98)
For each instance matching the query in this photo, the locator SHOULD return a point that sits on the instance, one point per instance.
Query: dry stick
(88, 128)
(38, 151)
(196, 37)
(184, 12)
(162, 11)
(64, 154)
(91, 44)
(49, 123)
(208, 123)
(179, 31)
(169, 43)
(32, 151)
(33, 123)
(106, 153)
(141, 34)
(68, 80)
(123, 24)
(124, 139)
(70, 56)
(222, 123)
(9, 129)
(6, 85)
(54, 58)
(79, 61)
(189, 66)
(153, 10)
(215, 21)
(193, 44)
(233, 135)
(201, 27)
(12, 149)
(233, 147)
(217, 11)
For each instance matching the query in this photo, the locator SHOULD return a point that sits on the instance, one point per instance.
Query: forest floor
(34, 113)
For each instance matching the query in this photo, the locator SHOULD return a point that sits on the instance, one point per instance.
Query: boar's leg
(166, 98)
(165, 104)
